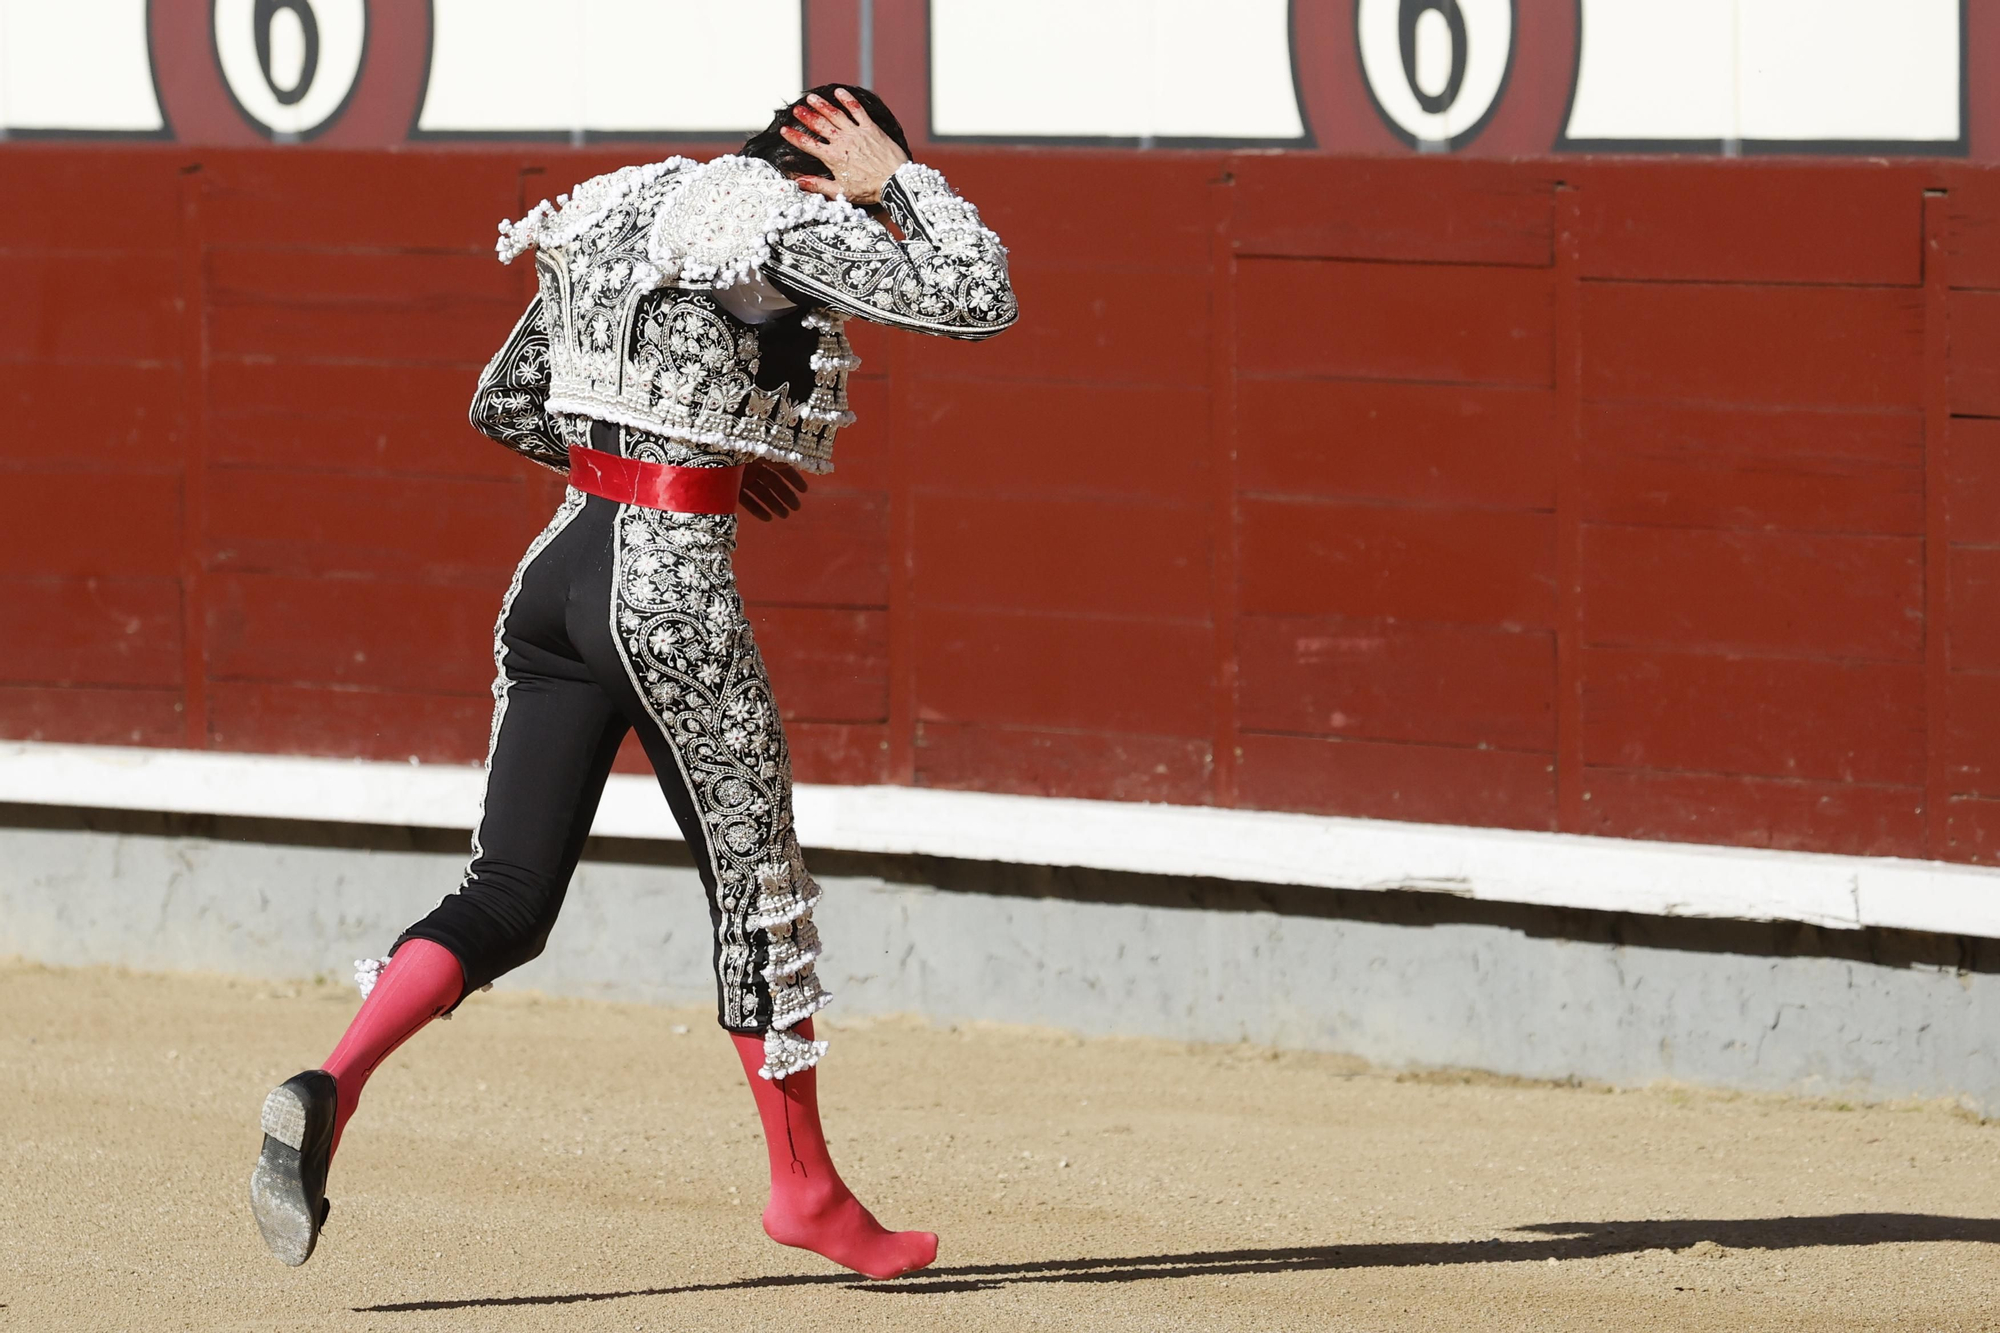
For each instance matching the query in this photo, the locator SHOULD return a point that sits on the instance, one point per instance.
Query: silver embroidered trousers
(624, 618)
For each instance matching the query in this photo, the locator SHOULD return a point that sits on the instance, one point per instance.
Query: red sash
(684, 490)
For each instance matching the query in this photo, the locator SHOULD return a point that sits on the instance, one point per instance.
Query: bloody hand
(859, 157)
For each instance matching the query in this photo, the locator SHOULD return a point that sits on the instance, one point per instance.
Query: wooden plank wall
(1966, 407)
(1396, 437)
(1646, 498)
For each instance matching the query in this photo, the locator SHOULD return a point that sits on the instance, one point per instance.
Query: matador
(685, 355)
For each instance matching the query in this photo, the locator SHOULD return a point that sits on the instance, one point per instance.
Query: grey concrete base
(1399, 979)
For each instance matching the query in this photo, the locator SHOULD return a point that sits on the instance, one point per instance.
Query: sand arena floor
(563, 1164)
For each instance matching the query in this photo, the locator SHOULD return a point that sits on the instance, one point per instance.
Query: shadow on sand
(1548, 1240)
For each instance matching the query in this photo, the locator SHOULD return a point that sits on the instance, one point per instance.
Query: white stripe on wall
(76, 65)
(661, 66)
(1491, 865)
(1026, 69)
(1788, 70)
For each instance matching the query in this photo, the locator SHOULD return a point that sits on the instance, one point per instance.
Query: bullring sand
(568, 1164)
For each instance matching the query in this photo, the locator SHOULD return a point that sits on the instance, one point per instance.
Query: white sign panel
(1113, 69)
(1768, 70)
(78, 65)
(611, 66)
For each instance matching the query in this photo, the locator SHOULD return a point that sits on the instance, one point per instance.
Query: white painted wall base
(1492, 865)
(1419, 983)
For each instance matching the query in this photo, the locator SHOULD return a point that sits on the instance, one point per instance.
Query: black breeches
(611, 601)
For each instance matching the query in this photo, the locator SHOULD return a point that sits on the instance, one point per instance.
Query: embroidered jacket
(705, 303)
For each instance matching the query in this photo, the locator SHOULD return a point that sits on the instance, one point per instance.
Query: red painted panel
(1055, 440)
(349, 723)
(1448, 322)
(80, 523)
(69, 200)
(873, 344)
(382, 445)
(1426, 443)
(1655, 220)
(865, 460)
(432, 199)
(263, 386)
(1975, 609)
(1090, 765)
(1753, 345)
(1064, 672)
(348, 417)
(1378, 680)
(100, 416)
(632, 757)
(1972, 736)
(838, 752)
(455, 330)
(1379, 780)
(1084, 557)
(1756, 812)
(380, 633)
(1975, 353)
(91, 631)
(1480, 567)
(1100, 326)
(864, 456)
(1972, 830)
(1141, 213)
(826, 665)
(1438, 211)
(1769, 716)
(551, 172)
(90, 307)
(1797, 594)
(833, 552)
(416, 280)
(1972, 480)
(78, 715)
(1975, 229)
(1810, 471)
(433, 529)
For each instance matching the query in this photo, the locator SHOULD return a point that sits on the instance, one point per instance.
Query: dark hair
(768, 144)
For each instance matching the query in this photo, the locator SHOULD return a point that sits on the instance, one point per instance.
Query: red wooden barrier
(1647, 498)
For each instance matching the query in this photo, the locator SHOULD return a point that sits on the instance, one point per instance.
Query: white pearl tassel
(368, 971)
(787, 1053)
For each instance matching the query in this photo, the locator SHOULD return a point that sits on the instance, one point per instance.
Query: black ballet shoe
(288, 1188)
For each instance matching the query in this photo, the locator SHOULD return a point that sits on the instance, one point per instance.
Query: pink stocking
(810, 1206)
(420, 982)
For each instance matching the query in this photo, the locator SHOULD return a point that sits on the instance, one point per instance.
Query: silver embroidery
(949, 276)
(788, 1053)
(508, 404)
(627, 256)
(635, 337)
(679, 624)
(715, 228)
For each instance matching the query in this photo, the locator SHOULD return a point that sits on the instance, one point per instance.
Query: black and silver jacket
(704, 302)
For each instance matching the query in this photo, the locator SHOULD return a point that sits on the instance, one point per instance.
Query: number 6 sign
(1435, 68)
(290, 65)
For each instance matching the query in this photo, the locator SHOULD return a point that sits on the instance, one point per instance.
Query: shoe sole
(277, 1186)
